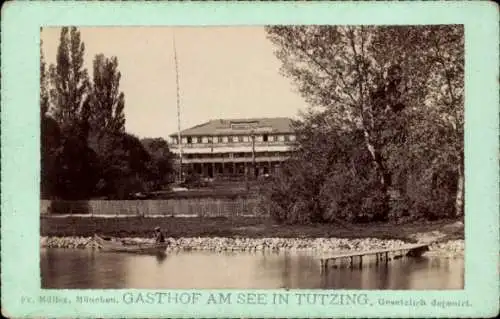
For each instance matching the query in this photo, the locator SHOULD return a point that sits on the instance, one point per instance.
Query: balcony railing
(258, 159)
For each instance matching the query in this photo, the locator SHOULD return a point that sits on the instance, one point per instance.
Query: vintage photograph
(258, 157)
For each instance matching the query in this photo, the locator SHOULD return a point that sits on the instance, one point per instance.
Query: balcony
(200, 148)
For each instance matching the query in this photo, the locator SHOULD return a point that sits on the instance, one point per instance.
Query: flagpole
(178, 106)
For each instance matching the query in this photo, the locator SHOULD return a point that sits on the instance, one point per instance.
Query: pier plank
(377, 252)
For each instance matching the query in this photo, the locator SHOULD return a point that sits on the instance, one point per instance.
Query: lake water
(84, 269)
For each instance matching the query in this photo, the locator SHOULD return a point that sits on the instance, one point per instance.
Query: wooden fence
(208, 207)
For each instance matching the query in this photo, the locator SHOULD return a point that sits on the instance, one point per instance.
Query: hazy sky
(226, 72)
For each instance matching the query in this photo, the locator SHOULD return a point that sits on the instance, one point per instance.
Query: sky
(224, 72)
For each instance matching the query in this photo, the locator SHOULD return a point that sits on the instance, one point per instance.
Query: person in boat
(159, 237)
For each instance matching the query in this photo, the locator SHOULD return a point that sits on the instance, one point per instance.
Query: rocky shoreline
(451, 248)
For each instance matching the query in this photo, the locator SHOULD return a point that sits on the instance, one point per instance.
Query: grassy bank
(235, 227)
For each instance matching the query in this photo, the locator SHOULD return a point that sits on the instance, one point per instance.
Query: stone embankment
(448, 249)
(217, 244)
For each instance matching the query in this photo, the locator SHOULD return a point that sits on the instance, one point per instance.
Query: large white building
(234, 147)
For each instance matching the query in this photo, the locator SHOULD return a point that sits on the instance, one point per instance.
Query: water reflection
(160, 257)
(84, 269)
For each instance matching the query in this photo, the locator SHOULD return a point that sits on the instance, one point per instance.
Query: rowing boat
(117, 245)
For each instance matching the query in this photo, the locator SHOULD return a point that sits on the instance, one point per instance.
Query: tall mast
(178, 107)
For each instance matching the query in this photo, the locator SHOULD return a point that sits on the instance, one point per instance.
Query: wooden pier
(381, 255)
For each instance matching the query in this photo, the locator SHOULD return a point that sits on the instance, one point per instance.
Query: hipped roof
(274, 125)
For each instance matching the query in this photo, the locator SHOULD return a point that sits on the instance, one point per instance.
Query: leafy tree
(437, 130)
(124, 170)
(375, 80)
(106, 123)
(333, 68)
(124, 161)
(74, 161)
(106, 101)
(448, 52)
(50, 138)
(160, 166)
(70, 84)
(429, 159)
(44, 94)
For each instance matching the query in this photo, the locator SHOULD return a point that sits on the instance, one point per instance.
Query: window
(271, 138)
(245, 138)
(240, 138)
(204, 139)
(281, 138)
(224, 139)
(259, 138)
(264, 137)
(287, 138)
(216, 139)
(292, 137)
(189, 140)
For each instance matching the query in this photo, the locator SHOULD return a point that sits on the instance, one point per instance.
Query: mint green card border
(20, 25)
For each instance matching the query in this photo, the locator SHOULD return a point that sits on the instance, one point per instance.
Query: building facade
(234, 147)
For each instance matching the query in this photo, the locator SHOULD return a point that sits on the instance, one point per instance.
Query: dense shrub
(348, 197)
(432, 196)
(330, 178)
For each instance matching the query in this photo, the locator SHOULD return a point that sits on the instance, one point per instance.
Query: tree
(123, 162)
(431, 155)
(122, 157)
(50, 136)
(44, 94)
(334, 69)
(376, 80)
(70, 83)
(106, 124)
(107, 103)
(76, 164)
(160, 165)
(437, 132)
